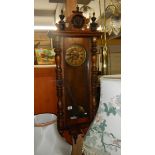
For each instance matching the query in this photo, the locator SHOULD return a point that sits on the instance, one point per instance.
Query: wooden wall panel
(44, 90)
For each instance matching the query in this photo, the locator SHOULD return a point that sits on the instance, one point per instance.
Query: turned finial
(93, 25)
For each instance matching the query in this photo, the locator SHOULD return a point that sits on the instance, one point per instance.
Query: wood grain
(45, 90)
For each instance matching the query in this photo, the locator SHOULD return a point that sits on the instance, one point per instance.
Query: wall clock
(75, 55)
(76, 72)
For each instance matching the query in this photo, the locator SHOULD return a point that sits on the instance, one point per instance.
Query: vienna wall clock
(76, 73)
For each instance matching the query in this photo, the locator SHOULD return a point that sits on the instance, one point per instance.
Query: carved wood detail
(59, 83)
(93, 77)
(76, 85)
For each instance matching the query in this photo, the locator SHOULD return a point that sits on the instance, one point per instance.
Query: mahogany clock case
(77, 91)
(76, 72)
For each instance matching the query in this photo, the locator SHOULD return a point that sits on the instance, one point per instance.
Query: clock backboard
(76, 81)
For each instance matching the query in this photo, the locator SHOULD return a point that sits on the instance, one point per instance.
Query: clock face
(75, 55)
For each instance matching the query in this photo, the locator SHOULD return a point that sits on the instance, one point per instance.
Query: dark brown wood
(76, 85)
(75, 34)
(76, 21)
(93, 77)
(59, 83)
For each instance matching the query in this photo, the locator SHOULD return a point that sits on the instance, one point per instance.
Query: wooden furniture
(76, 74)
(45, 99)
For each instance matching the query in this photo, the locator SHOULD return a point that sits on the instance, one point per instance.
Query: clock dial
(75, 55)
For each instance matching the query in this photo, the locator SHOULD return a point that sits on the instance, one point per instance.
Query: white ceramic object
(47, 140)
(104, 134)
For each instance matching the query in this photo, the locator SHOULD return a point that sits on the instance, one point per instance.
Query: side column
(59, 84)
(93, 78)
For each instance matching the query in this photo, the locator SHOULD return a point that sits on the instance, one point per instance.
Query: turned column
(93, 77)
(59, 83)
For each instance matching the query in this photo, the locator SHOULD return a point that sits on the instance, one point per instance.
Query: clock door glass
(75, 55)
